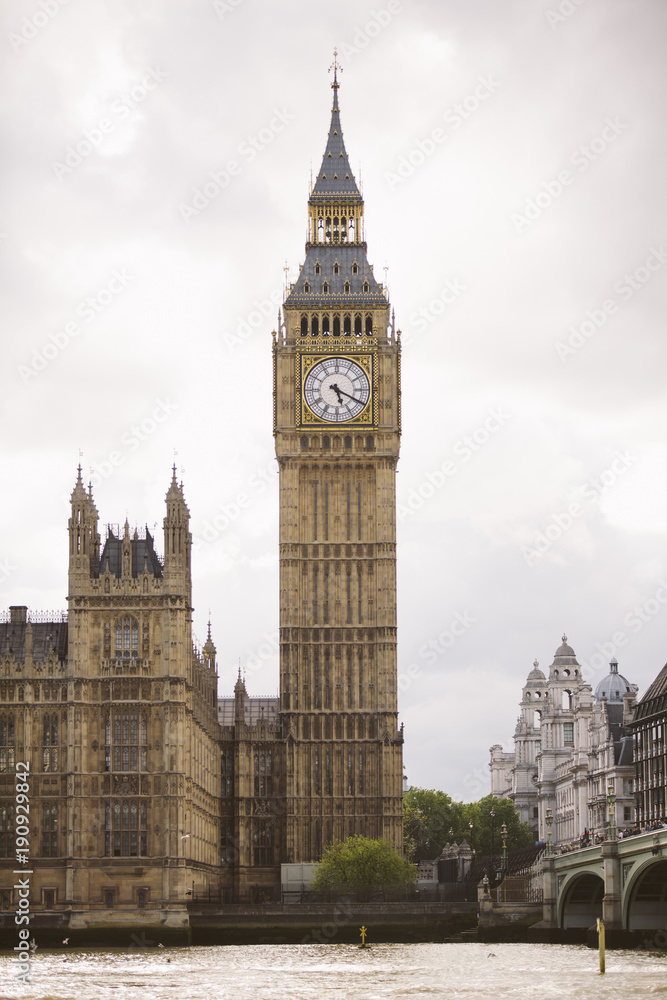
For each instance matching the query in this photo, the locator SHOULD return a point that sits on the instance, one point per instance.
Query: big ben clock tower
(337, 432)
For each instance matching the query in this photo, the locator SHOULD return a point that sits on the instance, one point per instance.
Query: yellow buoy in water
(601, 944)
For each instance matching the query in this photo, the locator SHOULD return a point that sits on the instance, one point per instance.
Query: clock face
(336, 389)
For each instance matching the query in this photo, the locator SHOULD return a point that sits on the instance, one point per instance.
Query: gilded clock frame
(314, 352)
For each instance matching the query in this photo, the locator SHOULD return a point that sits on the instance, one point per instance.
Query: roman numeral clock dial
(336, 390)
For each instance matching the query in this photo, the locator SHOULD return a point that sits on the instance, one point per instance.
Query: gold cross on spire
(335, 66)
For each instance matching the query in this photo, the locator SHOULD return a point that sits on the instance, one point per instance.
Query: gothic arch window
(326, 442)
(325, 287)
(369, 325)
(336, 268)
(125, 828)
(325, 325)
(315, 326)
(7, 845)
(327, 232)
(50, 743)
(320, 230)
(370, 443)
(347, 324)
(347, 289)
(262, 842)
(336, 326)
(304, 444)
(304, 326)
(343, 228)
(263, 783)
(348, 446)
(127, 638)
(367, 287)
(126, 740)
(317, 268)
(355, 266)
(7, 741)
(227, 774)
(50, 831)
(357, 325)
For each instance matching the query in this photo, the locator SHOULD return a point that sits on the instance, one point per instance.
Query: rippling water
(317, 972)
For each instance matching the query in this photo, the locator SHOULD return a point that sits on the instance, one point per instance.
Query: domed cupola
(535, 687)
(565, 664)
(613, 686)
(536, 676)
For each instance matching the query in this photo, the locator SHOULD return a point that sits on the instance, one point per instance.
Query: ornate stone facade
(570, 744)
(144, 785)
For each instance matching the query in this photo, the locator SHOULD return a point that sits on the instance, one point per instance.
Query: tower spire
(335, 66)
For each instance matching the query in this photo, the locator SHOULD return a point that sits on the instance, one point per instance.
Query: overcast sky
(512, 152)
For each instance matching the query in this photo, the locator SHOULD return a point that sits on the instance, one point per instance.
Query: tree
(428, 817)
(480, 837)
(362, 863)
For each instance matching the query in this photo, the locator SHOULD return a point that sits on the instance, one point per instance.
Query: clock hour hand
(337, 391)
(340, 392)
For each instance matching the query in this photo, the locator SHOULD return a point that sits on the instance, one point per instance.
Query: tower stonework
(337, 433)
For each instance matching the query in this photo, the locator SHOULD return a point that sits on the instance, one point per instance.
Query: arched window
(50, 831)
(326, 442)
(125, 828)
(357, 325)
(369, 326)
(325, 287)
(348, 443)
(347, 324)
(336, 326)
(370, 443)
(127, 638)
(304, 326)
(355, 266)
(304, 444)
(50, 743)
(367, 287)
(347, 287)
(325, 325)
(317, 268)
(306, 287)
(128, 749)
(7, 845)
(315, 326)
(7, 760)
(336, 268)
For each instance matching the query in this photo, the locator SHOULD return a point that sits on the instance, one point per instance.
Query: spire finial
(335, 66)
(564, 637)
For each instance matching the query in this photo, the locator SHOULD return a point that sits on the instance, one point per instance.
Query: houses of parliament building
(143, 783)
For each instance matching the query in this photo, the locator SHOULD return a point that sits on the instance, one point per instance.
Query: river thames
(472, 971)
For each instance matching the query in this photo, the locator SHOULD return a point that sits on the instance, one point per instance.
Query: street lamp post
(493, 817)
(611, 802)
(550, 846)
(470, 825)
(503, 830)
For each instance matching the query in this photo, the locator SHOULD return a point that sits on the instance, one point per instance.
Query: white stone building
(570, 744)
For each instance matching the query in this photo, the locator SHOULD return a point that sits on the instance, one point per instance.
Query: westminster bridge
(624, 882)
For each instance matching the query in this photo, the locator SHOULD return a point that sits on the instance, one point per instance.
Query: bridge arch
(645, 897)
(581, 900)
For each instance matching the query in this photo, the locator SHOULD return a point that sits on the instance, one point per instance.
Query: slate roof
(655, 699)
(335, 176)
(327, 255)
(112, 555)
(48, 639)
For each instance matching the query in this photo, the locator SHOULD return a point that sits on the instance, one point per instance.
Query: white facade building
(570, 744)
